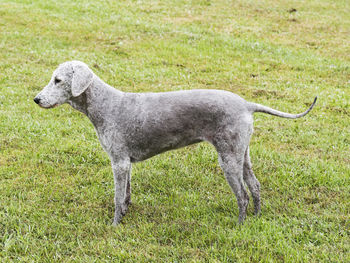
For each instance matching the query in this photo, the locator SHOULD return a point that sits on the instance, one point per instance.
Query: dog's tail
(255, 107)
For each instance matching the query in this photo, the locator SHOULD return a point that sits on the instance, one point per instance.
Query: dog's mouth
(49, 107)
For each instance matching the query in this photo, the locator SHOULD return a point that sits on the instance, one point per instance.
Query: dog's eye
(57, 80)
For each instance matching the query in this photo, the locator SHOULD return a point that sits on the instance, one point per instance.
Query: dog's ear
(82, 78)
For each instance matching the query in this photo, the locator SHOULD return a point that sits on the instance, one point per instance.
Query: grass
(56, 185)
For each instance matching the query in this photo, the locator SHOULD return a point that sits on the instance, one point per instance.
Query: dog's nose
(36, 100)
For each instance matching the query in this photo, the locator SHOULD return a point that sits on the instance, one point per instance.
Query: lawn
(56, 184)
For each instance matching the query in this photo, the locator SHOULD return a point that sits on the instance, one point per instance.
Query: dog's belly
(141, 153)
(150, 141)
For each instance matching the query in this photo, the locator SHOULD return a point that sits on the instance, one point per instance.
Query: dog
(133, 127)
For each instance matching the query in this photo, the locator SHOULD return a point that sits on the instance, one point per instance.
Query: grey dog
(135, 126)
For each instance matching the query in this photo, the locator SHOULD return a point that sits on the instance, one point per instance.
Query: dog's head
(69, 80)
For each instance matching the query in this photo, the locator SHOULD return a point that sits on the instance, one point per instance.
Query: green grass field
(56, 184)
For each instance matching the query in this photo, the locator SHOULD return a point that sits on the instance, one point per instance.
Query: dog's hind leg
(233, 170)
(231, 158)
(251, 181)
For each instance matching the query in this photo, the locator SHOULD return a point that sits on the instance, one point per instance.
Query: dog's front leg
(121, 172)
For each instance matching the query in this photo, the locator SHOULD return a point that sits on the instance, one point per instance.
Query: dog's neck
(79, 103)
(94, 100)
